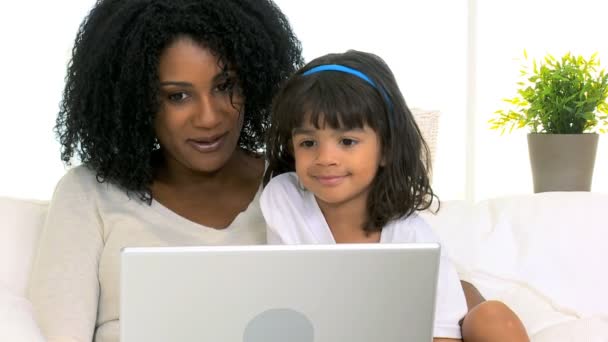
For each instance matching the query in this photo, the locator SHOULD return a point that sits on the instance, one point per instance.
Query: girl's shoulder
(284, 197)
(285, 185)
(413, 228)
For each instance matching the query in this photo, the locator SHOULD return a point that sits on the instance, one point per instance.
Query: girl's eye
(348, 142)
(307, 143)
(178, 97)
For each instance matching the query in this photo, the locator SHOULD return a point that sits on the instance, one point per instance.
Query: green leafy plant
(566, 96)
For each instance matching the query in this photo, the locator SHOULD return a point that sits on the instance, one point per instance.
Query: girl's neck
(346, 221)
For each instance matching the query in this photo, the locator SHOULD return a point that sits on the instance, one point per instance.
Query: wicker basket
(428, 122)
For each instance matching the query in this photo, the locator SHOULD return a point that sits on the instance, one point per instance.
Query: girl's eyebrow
(308, 131)
(304, 131)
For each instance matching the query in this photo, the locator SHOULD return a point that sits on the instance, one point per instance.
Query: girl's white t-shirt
(293, 217)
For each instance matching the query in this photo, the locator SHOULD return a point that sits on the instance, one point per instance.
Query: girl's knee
(493, 321)
(491, 310)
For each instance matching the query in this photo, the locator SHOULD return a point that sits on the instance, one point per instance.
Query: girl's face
(198, 127)
(338, 166)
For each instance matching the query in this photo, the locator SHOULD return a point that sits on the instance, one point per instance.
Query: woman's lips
(207, 145)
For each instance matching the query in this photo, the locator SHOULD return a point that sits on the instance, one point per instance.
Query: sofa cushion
(20, 225)
(591, 329)
(551, 243)
(17, 323)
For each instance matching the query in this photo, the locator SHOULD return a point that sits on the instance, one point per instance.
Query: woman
(166, 104)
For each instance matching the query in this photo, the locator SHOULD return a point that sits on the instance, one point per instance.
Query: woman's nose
(207, 114)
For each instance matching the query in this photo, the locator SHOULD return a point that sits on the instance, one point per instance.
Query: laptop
(304, 293)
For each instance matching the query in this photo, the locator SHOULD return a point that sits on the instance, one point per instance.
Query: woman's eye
(225, 86)
(348, 142)
(178, 97)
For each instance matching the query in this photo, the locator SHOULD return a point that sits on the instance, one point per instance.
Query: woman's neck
(211, 199)
(185, 180)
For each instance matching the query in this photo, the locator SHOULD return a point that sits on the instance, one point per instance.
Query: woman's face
(198, 126)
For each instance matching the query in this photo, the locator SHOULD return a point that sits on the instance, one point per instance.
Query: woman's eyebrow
(176, 84)
(220, 75)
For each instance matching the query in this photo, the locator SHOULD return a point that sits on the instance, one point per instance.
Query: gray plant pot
(562, 162)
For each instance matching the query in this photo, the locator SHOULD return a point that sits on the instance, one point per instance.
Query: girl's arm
(473, 297)
(64, 286)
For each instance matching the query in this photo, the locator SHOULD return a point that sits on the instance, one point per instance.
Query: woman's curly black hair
(111, 92)
(343, 101)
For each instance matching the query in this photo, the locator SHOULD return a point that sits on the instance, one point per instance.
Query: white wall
(425, 49)
(505, 28)
(424, 42)
(36, 38)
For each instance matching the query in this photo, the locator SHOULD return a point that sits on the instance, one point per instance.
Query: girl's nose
(326, 155)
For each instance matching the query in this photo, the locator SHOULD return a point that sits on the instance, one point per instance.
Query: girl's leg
(489, 321)
(472, 295)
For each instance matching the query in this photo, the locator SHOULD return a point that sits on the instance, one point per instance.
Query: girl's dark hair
(342, 100)
(111, 92)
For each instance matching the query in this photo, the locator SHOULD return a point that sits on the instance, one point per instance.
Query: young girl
(361, 174)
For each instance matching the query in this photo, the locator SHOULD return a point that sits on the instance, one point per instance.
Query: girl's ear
(383, 162)
(382, 153)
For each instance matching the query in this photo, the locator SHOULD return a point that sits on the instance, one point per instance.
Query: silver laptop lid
(306, 293)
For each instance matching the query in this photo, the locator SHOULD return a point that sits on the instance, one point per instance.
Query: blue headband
(341, 68)
(351, 71)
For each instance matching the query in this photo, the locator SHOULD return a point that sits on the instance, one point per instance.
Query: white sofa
(20, 223)
(544, 255)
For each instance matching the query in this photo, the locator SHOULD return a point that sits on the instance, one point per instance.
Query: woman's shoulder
(77, 177)
(81, 180)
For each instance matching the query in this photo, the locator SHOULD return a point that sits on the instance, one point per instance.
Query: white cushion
(20, 225)
(592, 329)
(543, 255)
(17, 322)
(554, 243)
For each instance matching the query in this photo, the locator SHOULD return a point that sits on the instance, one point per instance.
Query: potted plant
(563, 103)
